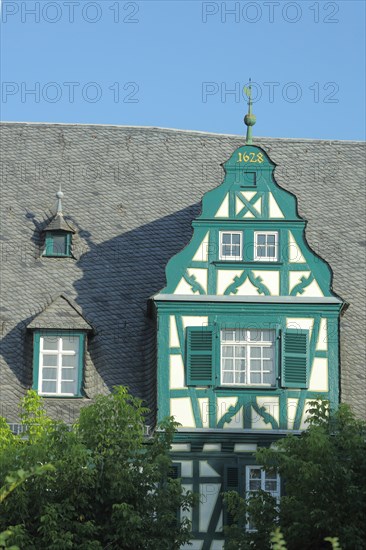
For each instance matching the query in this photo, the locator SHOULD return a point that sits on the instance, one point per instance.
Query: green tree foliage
(110, 486)
(324, 471)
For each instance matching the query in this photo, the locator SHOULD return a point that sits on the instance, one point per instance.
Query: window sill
(246, 387)
(52, 396)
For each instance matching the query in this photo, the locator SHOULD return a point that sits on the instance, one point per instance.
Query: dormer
(58, 234)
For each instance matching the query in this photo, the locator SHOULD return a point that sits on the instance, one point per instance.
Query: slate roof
(131, 193)
(63, 313)
(58, 223)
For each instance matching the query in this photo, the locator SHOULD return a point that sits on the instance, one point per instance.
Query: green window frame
(65, 352)
(52, 249)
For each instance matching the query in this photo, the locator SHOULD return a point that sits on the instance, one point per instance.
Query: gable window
(58, 243)
(258, 479)
(230, 245)
(58, 362)
(247, 357)
(266, 246)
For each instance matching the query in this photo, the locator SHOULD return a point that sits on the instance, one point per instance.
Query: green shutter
(231, 483)
(199, 355)
(295, 358)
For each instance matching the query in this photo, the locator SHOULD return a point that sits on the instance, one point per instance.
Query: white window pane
(68, 387)
(227, 335)
(235, 239)
(271, 239)
(69, 360)
(228, 378)
(48, 387)
(270, 486)
(50, 342)
(49, 374)
(235, 250)
(227, 351)
(261, 251)
(254, 473)
(255, 335)
(255, 365)
(271, 476)
(70, 343)
(240, 365)
(255, 352)
(261, 239)
(240, 351)
(254, 485)
(59, 244)
(268, 378)
(50, 360)
(226, 250)
(268, 335)
(226, 238)
(271, 251)
(267, 353)
(68, 375)
(240, 377)
(255, 378)
(228, 364)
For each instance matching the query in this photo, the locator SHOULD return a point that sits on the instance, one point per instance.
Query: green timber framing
(221, 424)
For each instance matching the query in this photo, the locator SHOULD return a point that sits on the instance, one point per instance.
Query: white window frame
(265, 258)
(59, 353)
(232, 258)
(236, 343)
(276, 494)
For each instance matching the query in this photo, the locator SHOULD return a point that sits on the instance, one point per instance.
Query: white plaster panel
(219, 529)
(271, 279)
(245, 447)
(303, 323)
(305, 415)
(173, 333)
(248, 194)
(225, 278)
(192, 545)
(202, 251)
(247, 289)
(295, 278)
(322, 343)
(184, 288)
(200, 275)
(258, 205)
(181, 447)
(292, 404)
(204, 410)
(272, 407)
(294, 252)
(210, 447)
(209, 493)
(176, 377)
(186, 468)
(274, 210)
(223, 211)
(196, 321)
(181, 409)
(312, 290)
(319, 375)
(223, 405)
(207, 470)
(248, 214)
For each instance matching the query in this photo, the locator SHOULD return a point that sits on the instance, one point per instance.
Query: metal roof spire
(249, 118)
(59, 196)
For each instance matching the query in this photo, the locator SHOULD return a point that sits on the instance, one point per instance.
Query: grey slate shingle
(131, 194)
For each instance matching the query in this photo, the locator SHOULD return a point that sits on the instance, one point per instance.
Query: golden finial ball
(250, 119)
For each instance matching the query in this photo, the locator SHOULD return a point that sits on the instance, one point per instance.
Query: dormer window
(58, 234)
(266, 246)
(58, 243)
(231, 245)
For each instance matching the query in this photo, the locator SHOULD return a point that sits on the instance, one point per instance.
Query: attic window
(58, 243)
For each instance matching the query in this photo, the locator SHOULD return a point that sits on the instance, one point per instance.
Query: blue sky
(183, 64)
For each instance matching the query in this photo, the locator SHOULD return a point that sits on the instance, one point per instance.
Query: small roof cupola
(58, 233)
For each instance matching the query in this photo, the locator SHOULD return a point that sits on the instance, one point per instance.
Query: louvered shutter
(200, 349)
(231, 483)
(295, 358)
